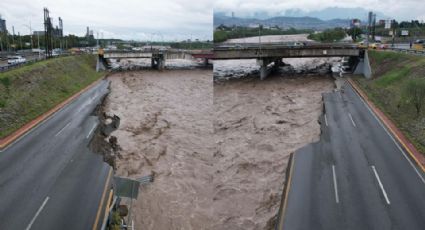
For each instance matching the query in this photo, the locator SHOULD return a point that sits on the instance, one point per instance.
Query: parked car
(16, 60)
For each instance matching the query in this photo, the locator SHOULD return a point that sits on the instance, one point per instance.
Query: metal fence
(14, 66)
(408, 51)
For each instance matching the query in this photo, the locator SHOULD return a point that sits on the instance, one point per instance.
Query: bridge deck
(274, 50)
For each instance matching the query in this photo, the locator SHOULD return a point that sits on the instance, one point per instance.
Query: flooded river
(219, 149)
(166, 128)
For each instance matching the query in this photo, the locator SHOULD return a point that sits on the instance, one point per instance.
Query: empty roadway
(356, 176)
(49, 179)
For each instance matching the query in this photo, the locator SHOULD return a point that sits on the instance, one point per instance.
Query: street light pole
(29, 27)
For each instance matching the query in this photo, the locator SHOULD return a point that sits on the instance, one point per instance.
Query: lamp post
(29, 27)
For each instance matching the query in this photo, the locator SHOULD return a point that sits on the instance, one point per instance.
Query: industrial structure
(51, 33)
(3, 28)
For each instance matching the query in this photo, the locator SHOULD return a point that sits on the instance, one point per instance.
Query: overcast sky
(398, 9)
(171, 19)
(125, 19)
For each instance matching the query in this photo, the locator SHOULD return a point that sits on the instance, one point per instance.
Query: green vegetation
(329, 35)
(31, 90)
(398, 89)
(223, 33)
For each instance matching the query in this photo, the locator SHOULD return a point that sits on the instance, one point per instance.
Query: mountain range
(282, 22)
(321, 19)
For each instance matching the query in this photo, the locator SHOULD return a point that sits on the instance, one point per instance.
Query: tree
(354, 32)
(414, 93)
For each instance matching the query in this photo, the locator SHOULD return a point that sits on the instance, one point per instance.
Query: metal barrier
(407, 51)
(14, 66)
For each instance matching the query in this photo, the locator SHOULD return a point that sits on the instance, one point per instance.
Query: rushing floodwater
(218, 149)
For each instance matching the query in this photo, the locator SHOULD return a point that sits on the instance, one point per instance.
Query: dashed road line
(335, 184)
(380, 184)
(326, 120)
(351, 118)
(91, 131)
(37, 213)
(391, 137)
(62, 129)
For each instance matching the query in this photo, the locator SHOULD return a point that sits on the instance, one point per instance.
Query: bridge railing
(409, 51)
(285, 45)
(14, 66)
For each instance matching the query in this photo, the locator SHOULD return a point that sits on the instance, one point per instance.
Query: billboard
(404, 33)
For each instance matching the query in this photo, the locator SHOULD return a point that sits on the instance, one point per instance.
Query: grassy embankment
(391, 90)
(29, 91)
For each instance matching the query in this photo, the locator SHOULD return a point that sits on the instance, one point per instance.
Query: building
(3, 28)
(38, 33)
(355, 23)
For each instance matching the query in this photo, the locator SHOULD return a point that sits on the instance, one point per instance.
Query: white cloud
(128, 19)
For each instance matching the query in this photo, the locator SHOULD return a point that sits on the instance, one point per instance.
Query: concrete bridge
(158, 57)
(274, 52)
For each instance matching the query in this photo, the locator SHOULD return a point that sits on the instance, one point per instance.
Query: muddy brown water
(218, 150)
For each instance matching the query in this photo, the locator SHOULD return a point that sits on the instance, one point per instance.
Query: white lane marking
(37, 213)
(351, 118)
(92, 129)
(380, 184)
(335, 185)
(392, 138)
(326, 120)
(62, 129)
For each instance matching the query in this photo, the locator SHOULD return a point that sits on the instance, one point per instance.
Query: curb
(6, 141)
(401, 138)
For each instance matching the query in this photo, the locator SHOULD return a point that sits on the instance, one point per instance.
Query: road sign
(404, 33)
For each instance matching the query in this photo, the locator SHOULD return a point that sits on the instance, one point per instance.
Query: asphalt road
(355, 177)
(49, 179)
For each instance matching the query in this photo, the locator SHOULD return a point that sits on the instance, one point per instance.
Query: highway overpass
(274, 52)
(158, 57)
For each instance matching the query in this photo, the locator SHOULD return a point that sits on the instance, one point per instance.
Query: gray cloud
(127, 19)
(398, 9)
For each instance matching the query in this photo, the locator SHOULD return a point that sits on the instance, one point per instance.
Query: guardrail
(408, 51)
(14, 66)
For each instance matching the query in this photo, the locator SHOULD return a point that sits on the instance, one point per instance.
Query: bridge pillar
(265, 70)
(363, 67)
(158, 61)
(161, 63)
(100, 65)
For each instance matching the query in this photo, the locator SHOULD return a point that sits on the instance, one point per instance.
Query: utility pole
(13, 36)
(38, 44)
(393, 29)
(31, 35)
(368, 28)
(48, 33)
(373, 26)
